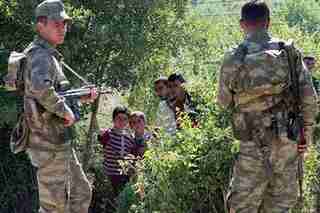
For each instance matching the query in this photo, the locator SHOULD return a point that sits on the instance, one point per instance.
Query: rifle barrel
(81, 92)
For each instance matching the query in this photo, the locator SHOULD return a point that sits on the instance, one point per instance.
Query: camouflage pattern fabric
(252, 87)
(44, 111)
(53, 174)
(252, 188)
(44, 108)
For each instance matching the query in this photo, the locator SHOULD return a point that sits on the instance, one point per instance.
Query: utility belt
(275, 121)
(261, 127)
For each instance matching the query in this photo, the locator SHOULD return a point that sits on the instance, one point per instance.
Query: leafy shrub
(303, 14)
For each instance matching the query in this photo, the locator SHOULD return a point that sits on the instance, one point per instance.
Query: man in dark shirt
(180, 100)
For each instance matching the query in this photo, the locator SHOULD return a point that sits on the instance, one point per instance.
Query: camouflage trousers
(60, 170)
(252, 191)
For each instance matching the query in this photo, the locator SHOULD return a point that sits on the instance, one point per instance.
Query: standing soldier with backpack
(256, 83)
(63, 186)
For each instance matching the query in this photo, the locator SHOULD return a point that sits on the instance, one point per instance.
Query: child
(137, 124)
(118, 145)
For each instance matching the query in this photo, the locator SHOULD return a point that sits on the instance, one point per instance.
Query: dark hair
(255, 11)
(42, 19)
(119, 110)
(161, 79)
(176, 76)
(309, 57)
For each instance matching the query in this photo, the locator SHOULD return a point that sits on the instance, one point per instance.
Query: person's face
(310, 63)
(53, 31)
(120, 121)
(161, 89)
(137, 124)
(176, 89)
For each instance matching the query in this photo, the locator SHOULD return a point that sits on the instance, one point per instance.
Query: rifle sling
(74, 73)
(294, 79)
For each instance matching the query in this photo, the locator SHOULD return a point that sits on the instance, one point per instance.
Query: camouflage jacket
(228, 95)
(43, 107)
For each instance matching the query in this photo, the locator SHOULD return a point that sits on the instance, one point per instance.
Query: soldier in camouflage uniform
(253, 82)
(47, 117)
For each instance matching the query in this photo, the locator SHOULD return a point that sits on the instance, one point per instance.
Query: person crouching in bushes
(118, 146)
(137, 123)
(180, 100)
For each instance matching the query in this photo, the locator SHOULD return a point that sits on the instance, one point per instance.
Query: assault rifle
(73, 97)
(296, 122)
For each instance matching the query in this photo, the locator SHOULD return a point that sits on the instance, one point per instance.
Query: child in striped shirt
(117, 145)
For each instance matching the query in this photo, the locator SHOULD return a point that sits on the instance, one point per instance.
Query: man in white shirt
(165, 115)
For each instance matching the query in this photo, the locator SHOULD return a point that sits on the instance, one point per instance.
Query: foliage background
(126, 45)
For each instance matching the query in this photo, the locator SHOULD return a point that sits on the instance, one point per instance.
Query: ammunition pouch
(278, 119)
(19, 138)
(240, 127)
(259, 128)
(246, 124)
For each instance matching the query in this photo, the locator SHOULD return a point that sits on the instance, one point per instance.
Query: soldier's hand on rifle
(90, 98)
(308, 136)
(69, 118)
(302, 148)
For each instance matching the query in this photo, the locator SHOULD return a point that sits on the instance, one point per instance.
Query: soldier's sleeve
(42, 84)
(307, 93)
(225, 95)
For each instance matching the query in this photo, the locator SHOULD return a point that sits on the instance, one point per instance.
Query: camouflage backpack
(14, 82)
(14, 78)
(262, 77)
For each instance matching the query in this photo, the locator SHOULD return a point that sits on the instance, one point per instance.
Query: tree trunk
(91, 134)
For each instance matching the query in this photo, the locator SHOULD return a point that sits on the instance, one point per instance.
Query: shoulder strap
(288, 47)
(75, 73)
(242, 51)
(20, 75)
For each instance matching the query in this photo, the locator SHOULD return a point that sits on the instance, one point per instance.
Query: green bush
(190, 173)
(304, 14)
(186, 173)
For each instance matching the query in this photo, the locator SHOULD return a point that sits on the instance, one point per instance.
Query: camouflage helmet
(52, 9)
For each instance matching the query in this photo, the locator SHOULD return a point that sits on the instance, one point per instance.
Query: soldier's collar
(258, 36)
(45, 44)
